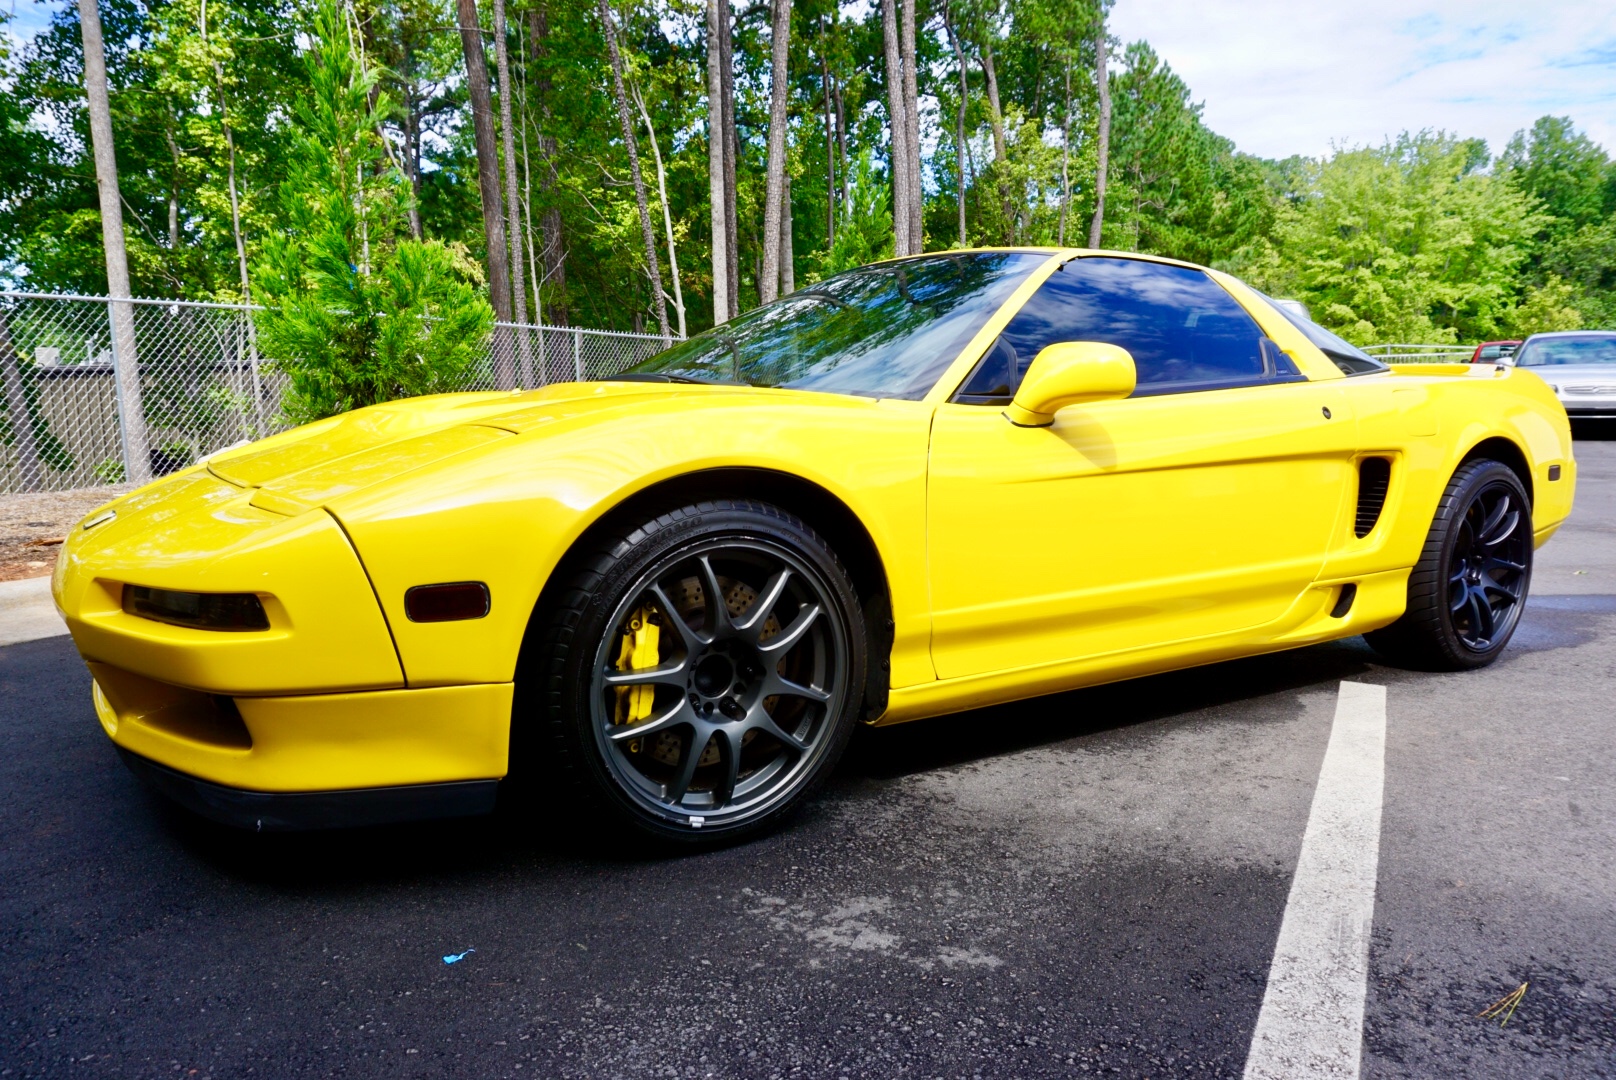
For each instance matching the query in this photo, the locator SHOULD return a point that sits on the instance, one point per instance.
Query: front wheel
(1466, 594)
(701, 672)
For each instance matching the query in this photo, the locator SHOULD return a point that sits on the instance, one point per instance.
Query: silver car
(1579, 366)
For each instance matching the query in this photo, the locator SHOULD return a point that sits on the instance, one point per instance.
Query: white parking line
(1311, 1024)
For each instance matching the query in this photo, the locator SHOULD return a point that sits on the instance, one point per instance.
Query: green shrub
(359, 313)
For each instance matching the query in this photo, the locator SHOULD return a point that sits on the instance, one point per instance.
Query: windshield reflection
(888, 330)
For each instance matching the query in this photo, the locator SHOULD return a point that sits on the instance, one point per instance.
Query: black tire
(1466, 594)
(770, 684)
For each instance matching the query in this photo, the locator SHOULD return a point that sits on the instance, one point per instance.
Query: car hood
(311, 465)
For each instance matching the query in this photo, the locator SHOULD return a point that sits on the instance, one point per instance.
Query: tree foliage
(359, 312)
(1424, 238)
(1409, 241)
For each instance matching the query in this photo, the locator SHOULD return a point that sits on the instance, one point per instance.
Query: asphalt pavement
(1087, 884)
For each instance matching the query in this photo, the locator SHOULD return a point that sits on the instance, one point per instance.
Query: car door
(1202, 505)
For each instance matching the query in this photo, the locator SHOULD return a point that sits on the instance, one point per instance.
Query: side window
(1182, 329)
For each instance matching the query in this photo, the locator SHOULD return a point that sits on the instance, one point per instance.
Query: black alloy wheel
(713, 672)
(1466, 594)
(1487, 567)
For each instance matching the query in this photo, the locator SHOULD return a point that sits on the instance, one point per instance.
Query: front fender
(508, 514)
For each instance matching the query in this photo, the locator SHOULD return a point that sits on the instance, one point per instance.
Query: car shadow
(941, 742)
(536, 837)
(539, 839)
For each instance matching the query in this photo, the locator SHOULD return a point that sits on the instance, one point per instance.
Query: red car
(1491, 352)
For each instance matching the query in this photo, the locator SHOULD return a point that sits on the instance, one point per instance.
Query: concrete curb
(27, 612)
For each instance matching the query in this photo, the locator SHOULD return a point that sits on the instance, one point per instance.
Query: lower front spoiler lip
(264, 811)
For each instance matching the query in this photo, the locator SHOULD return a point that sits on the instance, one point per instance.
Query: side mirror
(1071, 373)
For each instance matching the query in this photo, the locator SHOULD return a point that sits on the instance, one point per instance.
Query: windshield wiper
(815, 294)
(654, 376)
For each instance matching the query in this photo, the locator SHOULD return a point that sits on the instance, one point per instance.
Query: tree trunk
(1038, 82)
(830, 144)
(732, 154)
(555, 254)
(911, 112)
(482, 121)
(532, 258)
(513, 206)
(898, 123)
(1066, 157)
(779, 86)
(841, 142)
(126, 356)
(717, 145)
(995, 114)
(525, 49)
(788, 255)
(667, 214)
(236, 229)
(173, 184)
(409, 71)
(235, 201)
(555, 262)
(230, 148)
(653, 265)
(959, 119)
(1103, 139)
(412, 155)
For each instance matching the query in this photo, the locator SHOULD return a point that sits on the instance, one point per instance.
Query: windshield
(1556, 352)
(888, 330)
(1347, 356)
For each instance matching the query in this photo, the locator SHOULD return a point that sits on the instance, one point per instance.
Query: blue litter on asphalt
(455, 958)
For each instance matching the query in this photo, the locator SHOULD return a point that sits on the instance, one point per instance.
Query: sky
(28, 17)
(1284, 77)
(1299, 77)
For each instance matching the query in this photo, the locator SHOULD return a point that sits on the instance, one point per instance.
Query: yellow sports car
(914, 488)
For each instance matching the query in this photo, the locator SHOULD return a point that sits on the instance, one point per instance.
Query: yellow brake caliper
(639, 651)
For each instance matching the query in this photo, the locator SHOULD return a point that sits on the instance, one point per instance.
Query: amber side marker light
(200, 611)
(449, 602)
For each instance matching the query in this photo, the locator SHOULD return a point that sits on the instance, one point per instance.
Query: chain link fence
(1422, 354)
(116, 390)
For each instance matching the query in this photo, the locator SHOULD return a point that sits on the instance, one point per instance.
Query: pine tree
(359, 312)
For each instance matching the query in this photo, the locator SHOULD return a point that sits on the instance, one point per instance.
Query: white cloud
(1283, 78)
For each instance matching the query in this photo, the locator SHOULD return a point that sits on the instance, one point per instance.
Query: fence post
(126, 380)
(578, 354)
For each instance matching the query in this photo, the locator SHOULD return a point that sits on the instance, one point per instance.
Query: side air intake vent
(1374, 475)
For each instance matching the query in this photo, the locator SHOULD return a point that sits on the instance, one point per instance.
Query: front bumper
(1589, 406)
(312, 743)
(195, 533)
(278, 811)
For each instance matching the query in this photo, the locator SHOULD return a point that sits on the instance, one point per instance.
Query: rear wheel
(701, 672)
(1467, 592)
